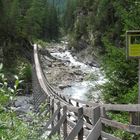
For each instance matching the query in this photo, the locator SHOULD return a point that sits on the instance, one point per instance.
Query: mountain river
(87, 88)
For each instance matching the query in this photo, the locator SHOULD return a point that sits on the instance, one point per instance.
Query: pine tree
(1, 20)
(15, 16)
(69, 16)
(54, 23)
(51, 23)
(34, 19)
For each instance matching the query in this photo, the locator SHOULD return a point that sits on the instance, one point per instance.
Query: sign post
(133, 51)
(139, 83)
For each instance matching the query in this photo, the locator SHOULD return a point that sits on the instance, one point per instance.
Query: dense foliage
(12, 125)
(102, 24)
(27, 19)
(22, 22)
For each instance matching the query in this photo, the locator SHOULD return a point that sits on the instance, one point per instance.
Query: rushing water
(80, 90)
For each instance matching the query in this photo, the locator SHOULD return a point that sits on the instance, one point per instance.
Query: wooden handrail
(129, 128)
(90, 120)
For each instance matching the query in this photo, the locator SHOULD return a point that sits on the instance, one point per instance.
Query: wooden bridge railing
(81, 119)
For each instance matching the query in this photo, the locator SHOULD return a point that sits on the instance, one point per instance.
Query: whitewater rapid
(80, 90)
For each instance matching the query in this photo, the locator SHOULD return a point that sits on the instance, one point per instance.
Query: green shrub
(11, 126)
(121, 74)
(42, 43)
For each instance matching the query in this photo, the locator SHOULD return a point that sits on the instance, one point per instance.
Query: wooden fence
(76, 119)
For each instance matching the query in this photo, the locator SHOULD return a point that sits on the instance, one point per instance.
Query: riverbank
(70, 76)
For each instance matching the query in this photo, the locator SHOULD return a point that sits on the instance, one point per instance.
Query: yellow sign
(133, 43)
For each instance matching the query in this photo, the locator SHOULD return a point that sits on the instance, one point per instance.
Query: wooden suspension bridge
(76, 119)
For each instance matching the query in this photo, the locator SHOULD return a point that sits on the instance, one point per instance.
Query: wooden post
(48, 100)
(64, 98)
(65, 123)
(87, 118)
(70, 102)
(134, 120)
(138, 115)
(59, 114)
(96, 115)
(77, 104)
(103, 112)
(52, 110)
(139, 83)
(135, 116)
(80, 116)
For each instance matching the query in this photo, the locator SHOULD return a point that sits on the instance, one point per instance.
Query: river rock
(45, 52)
(61, 49)
(78, 72)
(92, 64)
(66, 61)
(23, 104)
(23, 109)
(49, 65)
(64, 86)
